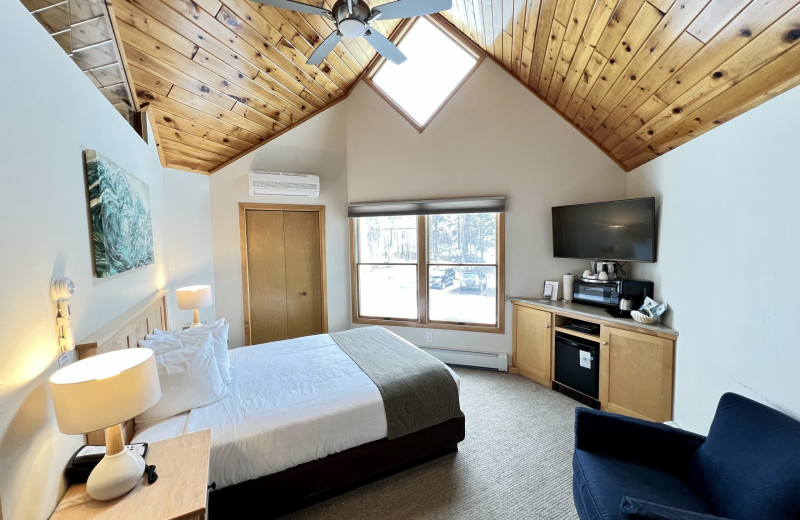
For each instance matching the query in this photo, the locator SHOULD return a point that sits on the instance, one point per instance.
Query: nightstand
(181, 490)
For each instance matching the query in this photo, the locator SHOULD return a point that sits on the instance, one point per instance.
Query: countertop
(589, 311)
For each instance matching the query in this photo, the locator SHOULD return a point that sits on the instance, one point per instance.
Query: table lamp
(194, 297)
(101, 392)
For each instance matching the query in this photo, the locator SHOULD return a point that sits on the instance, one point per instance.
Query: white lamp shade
(194, 297)
(104, 390)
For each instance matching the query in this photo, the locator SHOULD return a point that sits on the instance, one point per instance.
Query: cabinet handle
(303, 293)
(605, 343)
(547, 326)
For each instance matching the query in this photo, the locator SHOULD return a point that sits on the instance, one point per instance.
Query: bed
(303, 422)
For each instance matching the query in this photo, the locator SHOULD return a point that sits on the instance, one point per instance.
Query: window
(441, 270)
(437, 65)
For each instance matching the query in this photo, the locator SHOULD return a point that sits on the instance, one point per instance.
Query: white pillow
(219, 332)
(188, 375)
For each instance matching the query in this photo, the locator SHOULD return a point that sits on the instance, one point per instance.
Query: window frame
(440, 23)
(423, 287)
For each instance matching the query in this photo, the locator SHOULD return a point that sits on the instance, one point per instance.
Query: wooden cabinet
(283, 271)
(636, 373)
(636, 364)
(532, 341)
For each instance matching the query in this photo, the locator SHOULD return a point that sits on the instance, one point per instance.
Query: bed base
(292, 489)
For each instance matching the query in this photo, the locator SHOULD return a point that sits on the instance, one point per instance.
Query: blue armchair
(747, 468)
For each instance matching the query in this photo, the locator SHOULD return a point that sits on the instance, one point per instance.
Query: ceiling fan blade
(411, 8)
(385, 47)
(324, 48)
(297, 6)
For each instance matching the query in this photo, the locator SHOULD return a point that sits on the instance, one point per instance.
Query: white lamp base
(115, 475)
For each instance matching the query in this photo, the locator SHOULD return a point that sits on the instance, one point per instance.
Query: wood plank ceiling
(637, 77)
(223, 76)
(641, 77)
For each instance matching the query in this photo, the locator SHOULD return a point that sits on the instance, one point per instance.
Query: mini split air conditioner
(286, 184)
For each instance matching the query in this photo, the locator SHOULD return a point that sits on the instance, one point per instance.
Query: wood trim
(120, 51)
(422, 269)
(257, 206)
(439, 23)
(353, 280)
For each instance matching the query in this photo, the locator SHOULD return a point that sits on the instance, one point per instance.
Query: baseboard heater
(469, 358)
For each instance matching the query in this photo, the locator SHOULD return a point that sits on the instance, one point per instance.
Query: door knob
(605, 343)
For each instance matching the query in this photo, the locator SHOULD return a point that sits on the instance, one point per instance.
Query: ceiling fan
(353, 19)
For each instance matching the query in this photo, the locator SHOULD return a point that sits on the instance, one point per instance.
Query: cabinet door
(532, 341)
(636, 374)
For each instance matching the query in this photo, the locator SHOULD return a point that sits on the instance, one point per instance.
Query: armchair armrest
(634, 509)
(648, 443)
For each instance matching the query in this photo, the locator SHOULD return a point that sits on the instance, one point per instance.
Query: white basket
(643, 318)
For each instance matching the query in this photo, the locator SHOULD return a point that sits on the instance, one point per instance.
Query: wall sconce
(61, 289)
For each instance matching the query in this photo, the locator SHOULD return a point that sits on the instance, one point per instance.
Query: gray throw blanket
(417, 389)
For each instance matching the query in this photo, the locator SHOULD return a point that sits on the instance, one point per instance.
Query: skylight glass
(436, 66)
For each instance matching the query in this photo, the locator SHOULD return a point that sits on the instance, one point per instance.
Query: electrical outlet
(66, 358)
(429, 336)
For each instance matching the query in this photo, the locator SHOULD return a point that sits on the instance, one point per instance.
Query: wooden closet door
(303, 273)
(266, 277)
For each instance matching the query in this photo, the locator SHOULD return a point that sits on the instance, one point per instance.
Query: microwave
(608, 294)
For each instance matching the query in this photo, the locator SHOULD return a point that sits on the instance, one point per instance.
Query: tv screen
(619, 230)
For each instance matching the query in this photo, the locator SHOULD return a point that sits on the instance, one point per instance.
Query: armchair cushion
(601, 481)
(749, 467)
(646, 443)
(634, 509)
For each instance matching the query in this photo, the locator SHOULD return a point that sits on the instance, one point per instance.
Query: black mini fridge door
(577, 364)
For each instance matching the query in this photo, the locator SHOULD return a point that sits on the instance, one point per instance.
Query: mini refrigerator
(576, 363)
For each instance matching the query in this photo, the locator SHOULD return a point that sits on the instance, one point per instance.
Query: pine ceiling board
(661, 39)
(759, 52)
(777, 77)
(95, 56)
(617, 25)
(80, 10)
(588, 78)
(542, 40)
(575, 26)
(64, 40)
(488, 26)
(181, 162)
(192, 152)
(684, 48)
(33, 5)
(172, 107)
(115, 93)
(90, 32)
(54, 18)
(172, 134)
(185, 97)
(554, 46)
(149, 81)
(714, 17)
(751, 22)
(531, 20)
(497, 27)
(108, 75)
(186, 126)
(520, 14)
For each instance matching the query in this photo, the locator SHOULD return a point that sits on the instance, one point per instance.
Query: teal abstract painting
(122, 228)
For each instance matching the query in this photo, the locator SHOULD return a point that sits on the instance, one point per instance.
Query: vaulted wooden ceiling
(637, 77)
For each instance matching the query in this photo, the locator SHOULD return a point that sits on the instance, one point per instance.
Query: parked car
(473, 280)
(441, 278)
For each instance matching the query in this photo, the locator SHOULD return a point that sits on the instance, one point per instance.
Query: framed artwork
(119, 207)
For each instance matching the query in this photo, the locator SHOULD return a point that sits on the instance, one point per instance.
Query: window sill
(490, 329)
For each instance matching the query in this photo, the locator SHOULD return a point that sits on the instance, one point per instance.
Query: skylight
(437, 65)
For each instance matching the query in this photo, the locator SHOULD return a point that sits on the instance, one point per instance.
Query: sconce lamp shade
(104, 390)
(194, 297)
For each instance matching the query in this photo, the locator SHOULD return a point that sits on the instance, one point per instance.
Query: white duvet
(290, 402)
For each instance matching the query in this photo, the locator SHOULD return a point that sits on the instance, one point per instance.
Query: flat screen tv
(621, 230)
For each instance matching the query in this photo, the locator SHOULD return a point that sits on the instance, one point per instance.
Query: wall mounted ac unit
(286, 184)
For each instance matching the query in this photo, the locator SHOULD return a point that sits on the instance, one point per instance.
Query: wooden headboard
(125, 332)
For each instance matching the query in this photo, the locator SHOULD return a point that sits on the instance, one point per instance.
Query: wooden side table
(180, 492)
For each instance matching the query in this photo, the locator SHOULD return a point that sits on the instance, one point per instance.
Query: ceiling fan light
(352, 28)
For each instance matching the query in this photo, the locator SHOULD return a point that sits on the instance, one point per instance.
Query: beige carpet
(514, 463)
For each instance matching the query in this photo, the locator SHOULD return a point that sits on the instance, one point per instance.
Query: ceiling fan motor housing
(351, 25)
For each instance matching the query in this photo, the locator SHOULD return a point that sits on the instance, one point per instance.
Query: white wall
(188, 228)
(493, 138)
(318, 146)
(51, 113)
(728, 253)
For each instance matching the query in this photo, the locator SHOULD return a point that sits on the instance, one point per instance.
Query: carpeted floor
(514, 463)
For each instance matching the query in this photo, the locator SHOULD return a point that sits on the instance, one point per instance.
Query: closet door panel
(304, 299)
(266, 277)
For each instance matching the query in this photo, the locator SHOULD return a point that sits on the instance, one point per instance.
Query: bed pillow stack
(193, 369)
(219, 333)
